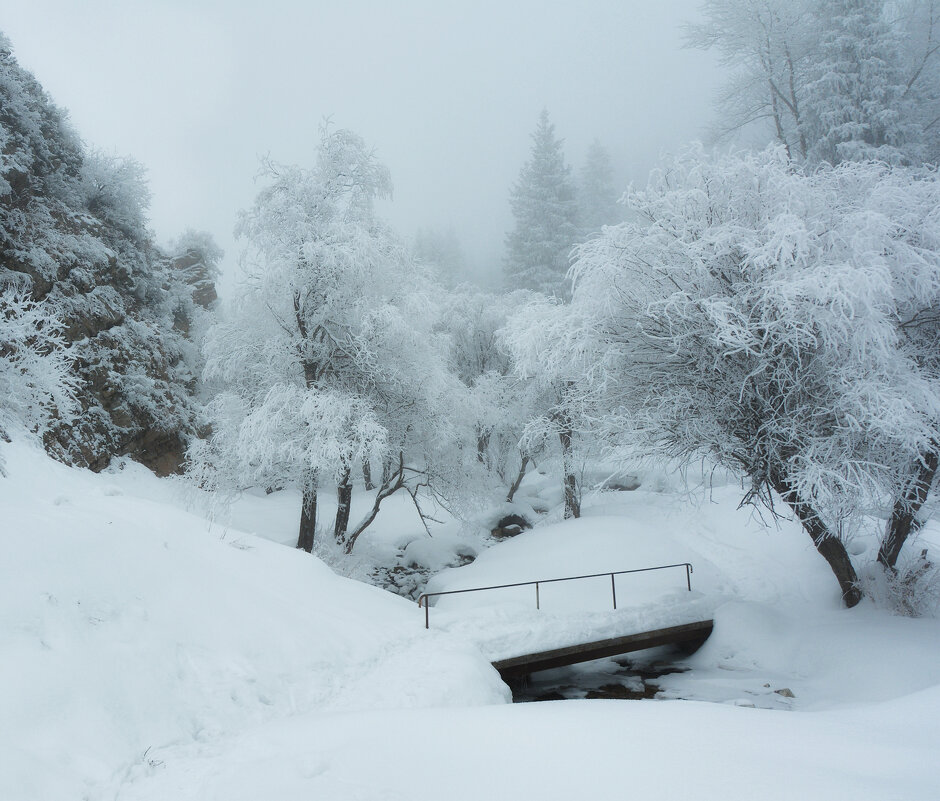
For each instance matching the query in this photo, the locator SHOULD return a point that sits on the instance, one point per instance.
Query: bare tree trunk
(519, 476)
(483, 443)
(778, 123)
(386, 470)
(829, 546)
(308, 517)
(795, 104)
(903, 521)
(343, 501)
(572, 499)
(566, 434)
(390, 486)
(367, 474)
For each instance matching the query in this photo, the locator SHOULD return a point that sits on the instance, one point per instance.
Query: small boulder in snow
(509, 526)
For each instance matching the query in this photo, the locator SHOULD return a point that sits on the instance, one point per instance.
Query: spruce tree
(546, 213)
(858, 102)
(596, 194)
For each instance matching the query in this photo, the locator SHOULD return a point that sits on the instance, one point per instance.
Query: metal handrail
(613, 588)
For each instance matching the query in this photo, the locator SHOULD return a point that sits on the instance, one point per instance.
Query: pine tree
(596, 194)
(545, 209)
(856, 103)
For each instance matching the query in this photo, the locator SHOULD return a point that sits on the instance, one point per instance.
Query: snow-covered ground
(146, 654)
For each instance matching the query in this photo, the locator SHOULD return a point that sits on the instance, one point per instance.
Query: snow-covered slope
(128, 625)
(563, 750)
(145, 654)
(778, 619)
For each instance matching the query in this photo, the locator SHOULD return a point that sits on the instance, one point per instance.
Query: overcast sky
(448, 93)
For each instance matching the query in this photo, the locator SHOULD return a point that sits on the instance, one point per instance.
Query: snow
(128, 624)
(571, 749)
(828, 660)
(627, 531)
(148, 654)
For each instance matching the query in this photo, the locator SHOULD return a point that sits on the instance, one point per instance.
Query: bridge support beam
(689, 635)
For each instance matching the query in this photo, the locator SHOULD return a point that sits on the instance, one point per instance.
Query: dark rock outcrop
(73, 232)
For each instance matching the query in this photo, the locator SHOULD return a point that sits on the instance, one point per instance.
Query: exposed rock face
(73, 232)
(194, 263)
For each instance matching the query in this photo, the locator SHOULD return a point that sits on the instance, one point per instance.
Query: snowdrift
(128, 625)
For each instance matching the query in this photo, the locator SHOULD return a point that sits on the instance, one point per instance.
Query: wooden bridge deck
(689, 634)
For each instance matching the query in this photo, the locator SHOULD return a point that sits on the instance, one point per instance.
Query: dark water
(631, 678)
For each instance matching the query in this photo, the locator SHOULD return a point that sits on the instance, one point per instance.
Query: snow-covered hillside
(128, 626)
(145, 654)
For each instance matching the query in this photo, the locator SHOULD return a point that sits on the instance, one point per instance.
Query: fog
(448, 93)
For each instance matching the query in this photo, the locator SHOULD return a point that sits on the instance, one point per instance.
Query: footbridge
(688, 634)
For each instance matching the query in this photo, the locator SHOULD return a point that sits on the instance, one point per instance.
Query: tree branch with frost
(755, 319)
(393, 484)
(36, 381)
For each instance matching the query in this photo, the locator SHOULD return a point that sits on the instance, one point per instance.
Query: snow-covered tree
(919, 24)
(754, 318)
(597, 197)
(36, 383)
(439, 249)
(324, 361)
(116, 192)
(832, 80)
(768, 47)
(545, 210)
(541, 340)
(856, 96)
(499, 403)
(904, 206)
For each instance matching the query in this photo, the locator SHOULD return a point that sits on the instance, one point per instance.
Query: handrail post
(426, 610)
(688, 576)
(537, 603)
(613, 589)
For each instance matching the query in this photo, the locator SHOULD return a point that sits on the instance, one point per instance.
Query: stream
(629, 677)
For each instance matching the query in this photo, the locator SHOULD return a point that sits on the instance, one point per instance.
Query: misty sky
(447, 93)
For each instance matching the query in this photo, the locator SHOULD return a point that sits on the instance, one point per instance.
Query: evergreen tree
(596, 194)
(835, 80)
(857, 100)
(545, 209)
